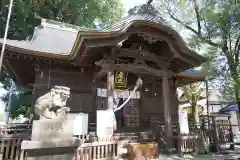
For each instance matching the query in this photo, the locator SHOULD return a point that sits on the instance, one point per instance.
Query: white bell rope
(138, 84)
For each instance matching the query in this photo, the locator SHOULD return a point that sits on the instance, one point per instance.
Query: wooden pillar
(167, 111)
(110, 89)
(215, 134)
(232, 146)
(110, 100)
(176, 108)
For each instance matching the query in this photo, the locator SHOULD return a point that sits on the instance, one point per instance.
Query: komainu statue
(53, 104)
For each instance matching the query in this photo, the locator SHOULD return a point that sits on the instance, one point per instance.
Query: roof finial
(149, 2)
(146, 8)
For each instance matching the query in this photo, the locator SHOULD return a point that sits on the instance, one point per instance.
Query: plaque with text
(120, 80)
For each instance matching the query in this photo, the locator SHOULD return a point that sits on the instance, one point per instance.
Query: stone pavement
(231, 156)
(202, 157)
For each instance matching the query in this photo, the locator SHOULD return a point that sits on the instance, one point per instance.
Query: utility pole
(6, 33)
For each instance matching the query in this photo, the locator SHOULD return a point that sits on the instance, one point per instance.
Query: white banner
(183, 121)
(80, 123)
(106, 123)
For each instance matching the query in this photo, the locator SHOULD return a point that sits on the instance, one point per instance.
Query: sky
(128, 4)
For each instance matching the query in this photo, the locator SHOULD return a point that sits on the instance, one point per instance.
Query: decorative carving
(139, 47)
(150, 38)
(53, 104)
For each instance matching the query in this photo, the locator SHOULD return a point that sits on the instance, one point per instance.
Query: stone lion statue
(53, 104)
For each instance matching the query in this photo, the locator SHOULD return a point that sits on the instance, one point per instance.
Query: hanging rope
(6, 33)
(138, 84)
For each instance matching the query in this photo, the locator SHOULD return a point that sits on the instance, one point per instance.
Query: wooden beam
(100, 74)
(133, 68)
(162, 62)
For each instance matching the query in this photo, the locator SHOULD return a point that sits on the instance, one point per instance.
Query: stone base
(51, 150)
(52, 130)
(55, 157)
(33, 145)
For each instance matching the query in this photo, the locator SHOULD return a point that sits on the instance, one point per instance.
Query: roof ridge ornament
(146, 8)
(61, 25)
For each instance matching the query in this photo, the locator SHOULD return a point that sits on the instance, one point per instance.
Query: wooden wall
(82, 98)
(83, 93)
(152, 102)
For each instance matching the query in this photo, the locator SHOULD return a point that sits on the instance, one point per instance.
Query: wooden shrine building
(140, 45)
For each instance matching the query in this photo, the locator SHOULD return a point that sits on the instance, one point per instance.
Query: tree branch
(195, 32)
(196, 9)
(237, 50)
(180, 22)
(230, 43)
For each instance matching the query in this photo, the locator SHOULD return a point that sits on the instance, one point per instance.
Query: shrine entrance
(103, 68)
(127, 116)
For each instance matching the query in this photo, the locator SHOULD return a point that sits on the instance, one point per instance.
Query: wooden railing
(97, 151)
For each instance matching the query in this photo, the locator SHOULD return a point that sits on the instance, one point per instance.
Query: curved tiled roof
(57, 38)
(48, 38)
(135, 17)
(144, 12)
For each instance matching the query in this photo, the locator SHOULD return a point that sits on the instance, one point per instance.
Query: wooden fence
(194, 142)
(97, 151)
(10, 148)
(197, 141)
(92, 148)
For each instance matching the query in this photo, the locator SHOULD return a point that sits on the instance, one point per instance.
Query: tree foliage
(20, 97)
(93, 14)
(84, 13)
(214, 24)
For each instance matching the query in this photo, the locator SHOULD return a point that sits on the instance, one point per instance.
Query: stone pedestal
(51, 140)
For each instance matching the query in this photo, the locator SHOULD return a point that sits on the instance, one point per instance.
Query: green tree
(20, 97)
(192, 93)
(92, 14)
(216, 24)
